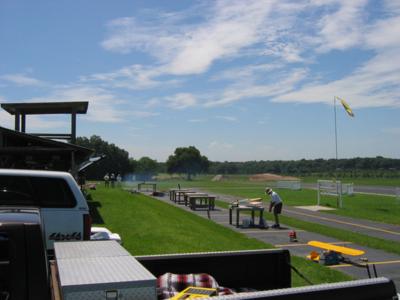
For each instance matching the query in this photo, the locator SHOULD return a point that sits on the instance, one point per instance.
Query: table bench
(179, 195)
(148, 184)
(186, 196)
(201, 201)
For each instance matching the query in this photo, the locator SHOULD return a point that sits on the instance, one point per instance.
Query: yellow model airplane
(338, 249)
(329, 247)
(333, 255)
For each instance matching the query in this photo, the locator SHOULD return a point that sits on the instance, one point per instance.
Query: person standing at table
(276, 204)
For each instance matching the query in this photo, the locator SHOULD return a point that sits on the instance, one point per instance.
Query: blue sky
(240, 80)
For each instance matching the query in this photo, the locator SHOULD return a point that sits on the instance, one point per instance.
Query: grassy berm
(148, 226)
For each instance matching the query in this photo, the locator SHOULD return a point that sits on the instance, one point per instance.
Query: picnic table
(178, 195)
(148, 184)
(251, 208)
(200, 200)
(191, 193)
(171, 193)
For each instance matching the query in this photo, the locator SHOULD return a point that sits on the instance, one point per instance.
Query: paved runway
(387, 264)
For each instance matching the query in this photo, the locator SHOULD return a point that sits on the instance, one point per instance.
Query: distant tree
(116, 160)
(146, 167)
(187, 160)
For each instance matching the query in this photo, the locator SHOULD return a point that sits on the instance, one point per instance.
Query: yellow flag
(346, 107)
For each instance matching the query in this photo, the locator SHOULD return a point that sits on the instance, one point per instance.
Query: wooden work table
(251, 208)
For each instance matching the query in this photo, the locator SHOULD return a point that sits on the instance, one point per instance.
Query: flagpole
(336, 150)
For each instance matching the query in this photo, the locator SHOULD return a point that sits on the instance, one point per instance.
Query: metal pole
(336, 152)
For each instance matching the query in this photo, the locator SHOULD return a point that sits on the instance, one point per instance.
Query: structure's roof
(40, 143)
(46, 108)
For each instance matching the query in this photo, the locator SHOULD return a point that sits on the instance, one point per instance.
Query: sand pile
(219, 178)
(271, 177)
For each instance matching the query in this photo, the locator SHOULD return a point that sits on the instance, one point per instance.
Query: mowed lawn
(378, 208)
(149, 226)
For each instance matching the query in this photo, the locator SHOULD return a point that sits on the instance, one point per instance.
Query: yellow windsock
(346, 107)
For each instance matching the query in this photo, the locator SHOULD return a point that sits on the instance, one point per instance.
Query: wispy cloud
(283, 82)
(134, 77)
(191, 49)
(181, 101)
(278, 29)
(343, 27)
(21, 80)
(218, 145)
(104, 106)
(374, 84)
(227, 118)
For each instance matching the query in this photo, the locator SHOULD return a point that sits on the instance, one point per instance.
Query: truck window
(35, 191)
(16, 191)
(53, 192)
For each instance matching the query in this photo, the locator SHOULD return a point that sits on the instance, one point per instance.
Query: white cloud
(248, 72)
(343, 28)
(230, 29)
(142, 114)
(134, 77)
(105, 106)
(217, 145)
(191, 49)
(35, 123)
(374, 84)
(181, 101)
(384, 34)
(154, 102)
(21, 80)
(227, 118)
(283, 82)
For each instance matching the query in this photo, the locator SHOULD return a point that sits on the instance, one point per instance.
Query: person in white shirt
(276, 204)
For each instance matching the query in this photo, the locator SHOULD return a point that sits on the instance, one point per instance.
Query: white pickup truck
(63, 208)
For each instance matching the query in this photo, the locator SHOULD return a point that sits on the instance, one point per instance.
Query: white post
(339, 183)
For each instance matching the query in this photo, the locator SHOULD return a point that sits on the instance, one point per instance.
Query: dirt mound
(271, 177)
(219, 178)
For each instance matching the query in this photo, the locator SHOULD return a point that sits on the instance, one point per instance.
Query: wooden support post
(73, 127)
(23, 123)
(17, 121)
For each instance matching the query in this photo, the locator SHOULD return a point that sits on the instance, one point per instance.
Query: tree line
(189, 161)
(353, 167)
(185, 160)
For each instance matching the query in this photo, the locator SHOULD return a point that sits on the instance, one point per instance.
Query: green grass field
(377, 208)
(148, 226)
(371, 207)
